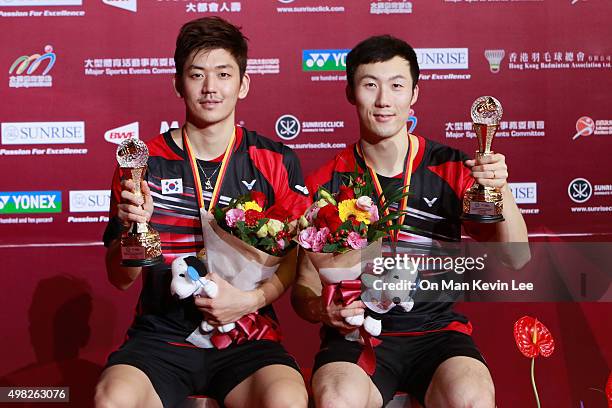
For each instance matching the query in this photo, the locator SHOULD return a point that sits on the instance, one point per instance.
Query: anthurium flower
(533, 338)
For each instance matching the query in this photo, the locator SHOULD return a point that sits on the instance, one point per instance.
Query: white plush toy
(387, 296)
(335, 276)
(189, 279)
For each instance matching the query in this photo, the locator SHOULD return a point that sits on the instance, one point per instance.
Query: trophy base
(143, 262)
(484, 219)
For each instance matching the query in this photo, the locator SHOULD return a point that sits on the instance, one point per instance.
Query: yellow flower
(252, 205)
(347, 208)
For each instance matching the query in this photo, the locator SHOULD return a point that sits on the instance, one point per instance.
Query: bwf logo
(129, 5)
(324, 60)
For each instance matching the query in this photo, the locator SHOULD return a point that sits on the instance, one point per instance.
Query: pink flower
(320, 239)
(233, 216)
(307, 237)
(312, 239)
(364, 203)
(373, 210)
(355, 241)
(281, 243)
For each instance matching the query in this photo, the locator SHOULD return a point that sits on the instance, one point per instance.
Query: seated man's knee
(341, 395)
(285, 394)
(113, 394)
(464, 396)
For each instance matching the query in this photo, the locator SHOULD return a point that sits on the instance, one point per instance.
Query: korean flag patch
(172, 186)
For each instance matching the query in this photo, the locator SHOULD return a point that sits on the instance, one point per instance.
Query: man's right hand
(333, 315)
(134, 208)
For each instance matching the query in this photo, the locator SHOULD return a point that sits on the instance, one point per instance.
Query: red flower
(278, 212)
(259, 198)
(251, 217)
(533, 338)
(346, 193)
(329, 217)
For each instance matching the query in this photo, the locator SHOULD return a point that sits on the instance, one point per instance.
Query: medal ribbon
(196, 173)
(413, 144)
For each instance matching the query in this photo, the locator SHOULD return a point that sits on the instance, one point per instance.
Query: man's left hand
(489, 171)
(230, 304)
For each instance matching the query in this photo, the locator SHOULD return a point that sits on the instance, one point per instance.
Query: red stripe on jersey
(177, 221)
(344, 162)
(456, 174)
(271, 165)
(158, 147)
(453, 326)
(174, 238)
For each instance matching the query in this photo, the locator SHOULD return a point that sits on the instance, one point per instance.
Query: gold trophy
(140, 243)
(480, 203)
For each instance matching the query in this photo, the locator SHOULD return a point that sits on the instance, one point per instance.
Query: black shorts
(402, 363)
(179, 371)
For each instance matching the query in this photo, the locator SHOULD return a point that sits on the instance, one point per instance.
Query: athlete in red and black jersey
(155, 366)
(428, 351)
(257, 164)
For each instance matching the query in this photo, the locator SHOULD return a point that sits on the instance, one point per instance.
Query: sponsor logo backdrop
(69, 98)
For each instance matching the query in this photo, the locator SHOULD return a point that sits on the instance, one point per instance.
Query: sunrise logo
(29, 64)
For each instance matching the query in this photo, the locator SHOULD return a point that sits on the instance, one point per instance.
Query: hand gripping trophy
(140, 243)
(480, 203)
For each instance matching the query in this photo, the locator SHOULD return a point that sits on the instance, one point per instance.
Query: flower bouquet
(342, 236)
(244, 244)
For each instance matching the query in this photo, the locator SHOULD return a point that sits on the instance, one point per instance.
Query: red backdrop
(80, 75)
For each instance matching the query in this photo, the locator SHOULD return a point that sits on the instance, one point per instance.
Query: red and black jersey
(257, 164)
(438, 182)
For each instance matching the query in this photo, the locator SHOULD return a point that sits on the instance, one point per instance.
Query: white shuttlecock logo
(495, 58)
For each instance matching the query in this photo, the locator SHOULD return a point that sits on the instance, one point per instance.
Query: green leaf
(330, 248)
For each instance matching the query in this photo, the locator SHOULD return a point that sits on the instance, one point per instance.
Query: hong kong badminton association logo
(494, 57)
(25, 72)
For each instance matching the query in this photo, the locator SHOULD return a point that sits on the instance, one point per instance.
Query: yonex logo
(248, 185)
(20, 202)
(287, 127)
(430, 202)
(317, 59)
(303, 189)
(580, 190)
(324, 60)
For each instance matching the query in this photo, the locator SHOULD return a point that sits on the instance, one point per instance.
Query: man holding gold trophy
(426, 351)
(163, 194)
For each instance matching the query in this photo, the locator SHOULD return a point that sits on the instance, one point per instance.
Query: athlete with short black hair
(427, 351)
(156, 366)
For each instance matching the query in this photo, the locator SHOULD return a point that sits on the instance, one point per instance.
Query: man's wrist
(258, 299)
